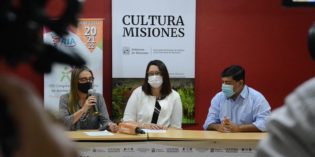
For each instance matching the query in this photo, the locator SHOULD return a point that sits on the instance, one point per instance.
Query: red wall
(266, 38)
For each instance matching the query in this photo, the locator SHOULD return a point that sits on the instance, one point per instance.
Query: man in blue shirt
(237, 108)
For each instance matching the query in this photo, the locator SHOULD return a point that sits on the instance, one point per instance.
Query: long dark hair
(166, 86)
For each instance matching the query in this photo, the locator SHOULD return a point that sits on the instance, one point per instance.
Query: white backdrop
(143, 30)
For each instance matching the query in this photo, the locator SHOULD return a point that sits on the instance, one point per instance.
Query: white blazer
(140, 109)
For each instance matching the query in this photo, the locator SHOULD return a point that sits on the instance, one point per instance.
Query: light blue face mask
(227, 90)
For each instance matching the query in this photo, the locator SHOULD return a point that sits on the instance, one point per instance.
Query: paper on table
(153, 131)
(99, 133)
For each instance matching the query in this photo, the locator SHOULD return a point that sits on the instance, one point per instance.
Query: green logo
(65, 74)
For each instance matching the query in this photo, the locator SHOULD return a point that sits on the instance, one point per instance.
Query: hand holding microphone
(92, 100)
(89, 102)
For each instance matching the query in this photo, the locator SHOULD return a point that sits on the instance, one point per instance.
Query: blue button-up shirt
(250, 107)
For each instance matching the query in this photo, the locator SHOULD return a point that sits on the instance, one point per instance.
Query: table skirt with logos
(171, 143)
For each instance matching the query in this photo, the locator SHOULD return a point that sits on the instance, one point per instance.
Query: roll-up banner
(87, 41)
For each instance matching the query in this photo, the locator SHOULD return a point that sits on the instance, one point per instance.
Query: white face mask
(155, 81)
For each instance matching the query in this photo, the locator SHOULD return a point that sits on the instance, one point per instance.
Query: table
(173, 143)
(81, 136)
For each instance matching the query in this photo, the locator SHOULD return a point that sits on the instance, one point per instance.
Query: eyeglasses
(151, 73)
(85, 79)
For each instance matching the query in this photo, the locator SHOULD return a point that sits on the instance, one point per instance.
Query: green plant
(188, 100)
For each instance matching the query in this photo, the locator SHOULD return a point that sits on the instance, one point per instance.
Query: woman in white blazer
(155, 105)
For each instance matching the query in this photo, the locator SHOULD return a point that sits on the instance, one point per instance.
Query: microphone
(129, 128)
(91, 92)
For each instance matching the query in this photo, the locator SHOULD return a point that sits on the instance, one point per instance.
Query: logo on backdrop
(65, 41)
(65, 74)
(153, 26)
(126, 50)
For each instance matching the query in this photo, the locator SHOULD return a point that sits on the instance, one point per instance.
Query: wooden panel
(206, 135)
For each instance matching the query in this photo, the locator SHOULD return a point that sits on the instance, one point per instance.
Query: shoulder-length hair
(73, 94)
(166, 86)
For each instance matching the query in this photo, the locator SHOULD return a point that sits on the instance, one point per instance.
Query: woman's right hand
(153, 126)
(89, 102)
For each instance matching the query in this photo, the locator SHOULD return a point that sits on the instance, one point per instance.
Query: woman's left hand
(113, 127)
